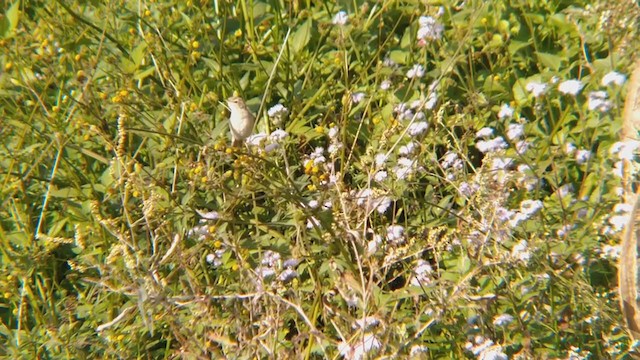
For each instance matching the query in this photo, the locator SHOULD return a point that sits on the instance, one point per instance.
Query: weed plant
(427, 179)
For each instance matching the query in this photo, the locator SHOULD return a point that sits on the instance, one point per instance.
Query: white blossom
(287, 275)
(417, 71)
(613, 77)
(210, 215)
(503, 320)
(622, 208)
(362, 197)
(277, 110)
(530, 207)
(366, 323)
(432, 97)
(598, 101)
(416, 350)
(625, 150)
(270, 147)
(536, 88)
(333, 132)
(380, 159)
(467, 189)
(340, 18)
(417, 128)
(382, 204)
(422, 273)
(492, 145)
(318, 156)
(582, 156)
(256, 139)
(312, 222)
(357, 97)
(570, 87)
(359, 348)
(501, 163)
(515, 131)
(395, 234)
(407, 149)
(278, 135)
(505, 111)
(522, 146)
(380, 176)
(429, 29)
(265, 272)
(569, 148)
(449, 159)
(611, 252)
(521, 252)
(485, 132)
(334, 148)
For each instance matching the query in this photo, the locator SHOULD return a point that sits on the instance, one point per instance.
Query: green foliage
(130, 228)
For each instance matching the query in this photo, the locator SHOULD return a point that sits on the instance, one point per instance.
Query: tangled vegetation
(426, 179)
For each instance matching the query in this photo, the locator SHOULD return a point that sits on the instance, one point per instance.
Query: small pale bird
(241, 120)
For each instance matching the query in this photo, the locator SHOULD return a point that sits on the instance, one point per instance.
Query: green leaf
(13, 14)
(9, 22)
(128, 67)
(301, 37)
(137, 55)
(492, 86)
(212, 64)
(550, 60)
(515, 46)
(144, 73)
(65, 193)
(399, 56)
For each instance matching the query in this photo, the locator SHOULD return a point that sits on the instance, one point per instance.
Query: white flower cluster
(451, 160)
(340, 18)
(267, 143)
(625, 150)
(596, 100)
(489, 145)
(485, 349)
(613, 77)
(367, 199)
(334, 142)
(502, 320)
(360, 347)
(505, 112)
(619, 219)
(571, 87)
(537, 89)
(357, 97)
(528, 208)
(422, 274)
(520, 252)
(201, 231)
(405, 168)
(417, 71)
(581, 156)
(215, 259)
(395, 234)
(406, 112)
(277, 113)
(430, 29)
(271, 267)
